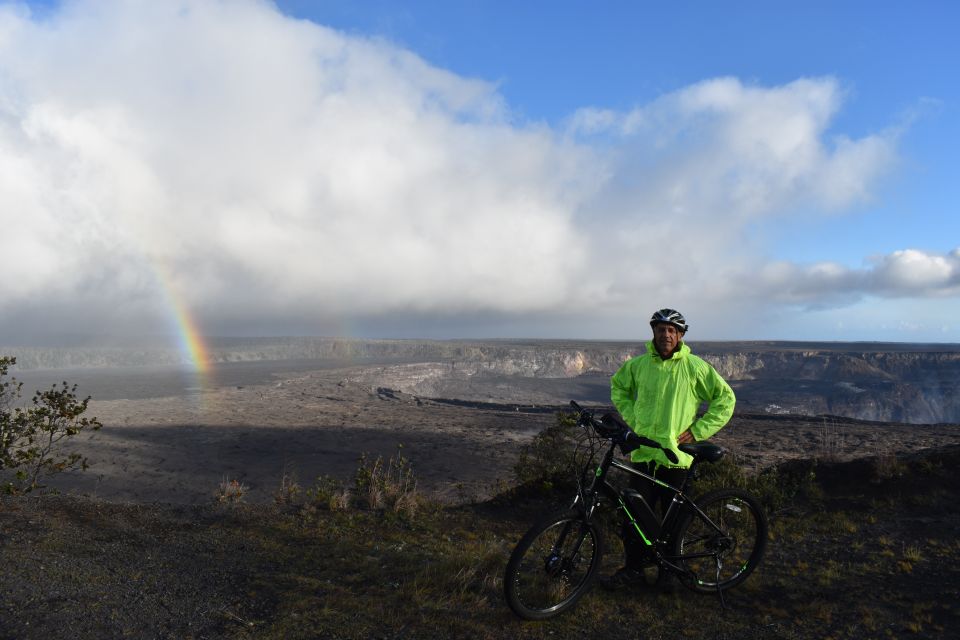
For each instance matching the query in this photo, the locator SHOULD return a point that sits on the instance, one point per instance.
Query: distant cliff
(890, 383)
(872, 381)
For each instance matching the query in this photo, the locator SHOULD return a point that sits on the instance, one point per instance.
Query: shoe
(623, 578)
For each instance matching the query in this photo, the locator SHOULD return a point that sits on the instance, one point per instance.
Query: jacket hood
(682, 352)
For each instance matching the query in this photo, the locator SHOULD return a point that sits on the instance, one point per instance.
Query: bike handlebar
(620, 433)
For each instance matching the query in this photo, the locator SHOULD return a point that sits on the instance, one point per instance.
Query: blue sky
(896, 61)
(483, 169)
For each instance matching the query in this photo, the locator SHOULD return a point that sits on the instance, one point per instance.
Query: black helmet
(670, 316)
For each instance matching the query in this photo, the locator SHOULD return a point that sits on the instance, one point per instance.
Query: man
(658, 395)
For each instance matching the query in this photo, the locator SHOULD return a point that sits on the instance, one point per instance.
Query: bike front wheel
(553, 566)
(721, 546)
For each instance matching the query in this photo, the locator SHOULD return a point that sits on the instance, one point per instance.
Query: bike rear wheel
(553, 566)
(721, 557)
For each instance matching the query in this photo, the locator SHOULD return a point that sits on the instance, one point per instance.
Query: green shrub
(549, 459)
(30, 437)
(329, 493)
(776, 487)
(549, 462)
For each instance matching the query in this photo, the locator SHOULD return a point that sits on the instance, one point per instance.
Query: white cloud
(694, 169)
(908, 273)
(240, 155)
(751, 150)
(914, 273)
(265, 168)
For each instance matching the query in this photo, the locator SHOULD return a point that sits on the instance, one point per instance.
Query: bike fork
(556, 551)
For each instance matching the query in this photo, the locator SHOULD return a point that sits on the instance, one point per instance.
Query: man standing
(658, 395)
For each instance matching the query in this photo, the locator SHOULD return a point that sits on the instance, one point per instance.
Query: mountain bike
(711, 543)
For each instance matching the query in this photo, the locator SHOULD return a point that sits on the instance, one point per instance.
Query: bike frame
(601, 486)
(557, 560)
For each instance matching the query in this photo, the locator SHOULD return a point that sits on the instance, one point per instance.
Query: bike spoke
(718, 548)
(555, 567)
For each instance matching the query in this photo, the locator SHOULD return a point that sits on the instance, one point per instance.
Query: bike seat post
(691, 476)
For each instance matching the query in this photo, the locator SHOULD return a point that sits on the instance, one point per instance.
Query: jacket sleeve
(714, 390)
(623, 391)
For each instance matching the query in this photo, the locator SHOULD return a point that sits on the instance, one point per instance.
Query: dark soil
(870, 549)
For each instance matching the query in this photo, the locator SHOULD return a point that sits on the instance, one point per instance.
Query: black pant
(635, 550)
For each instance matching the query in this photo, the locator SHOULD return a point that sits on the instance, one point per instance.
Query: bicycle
(712, 543)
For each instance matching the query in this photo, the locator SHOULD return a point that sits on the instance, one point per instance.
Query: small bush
(775, 487)
(230, 491)
(390, 485)
(887, 466)
(30, 438)
(912, 554)
(329, 493)
(550, 461)
(377, 485)
(549, 458)
(289, 489)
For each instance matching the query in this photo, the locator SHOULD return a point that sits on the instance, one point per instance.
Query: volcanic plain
(864, 523)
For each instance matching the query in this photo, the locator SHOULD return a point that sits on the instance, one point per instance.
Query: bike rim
(555, 566)
(721, 558)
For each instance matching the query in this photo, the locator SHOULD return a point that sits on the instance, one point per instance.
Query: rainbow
(191, 339)
(185, 326)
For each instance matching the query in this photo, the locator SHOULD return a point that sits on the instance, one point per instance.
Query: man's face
(666, 337)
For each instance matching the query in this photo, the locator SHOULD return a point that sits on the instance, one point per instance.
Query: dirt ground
(179, 450)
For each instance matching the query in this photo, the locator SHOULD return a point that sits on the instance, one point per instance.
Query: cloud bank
(903, 274)
(271, 174)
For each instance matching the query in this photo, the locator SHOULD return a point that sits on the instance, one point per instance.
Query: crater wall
(916, 383)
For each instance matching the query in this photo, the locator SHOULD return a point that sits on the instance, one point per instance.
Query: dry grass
(230, 492)
(831, 441)
(377, 485)
(289, 490)
(888, 466)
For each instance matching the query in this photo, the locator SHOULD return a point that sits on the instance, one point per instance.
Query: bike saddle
(705, 451)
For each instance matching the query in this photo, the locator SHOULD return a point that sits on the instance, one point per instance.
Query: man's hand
(686, 438)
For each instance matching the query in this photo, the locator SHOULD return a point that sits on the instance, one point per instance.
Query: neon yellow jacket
(659, 399)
